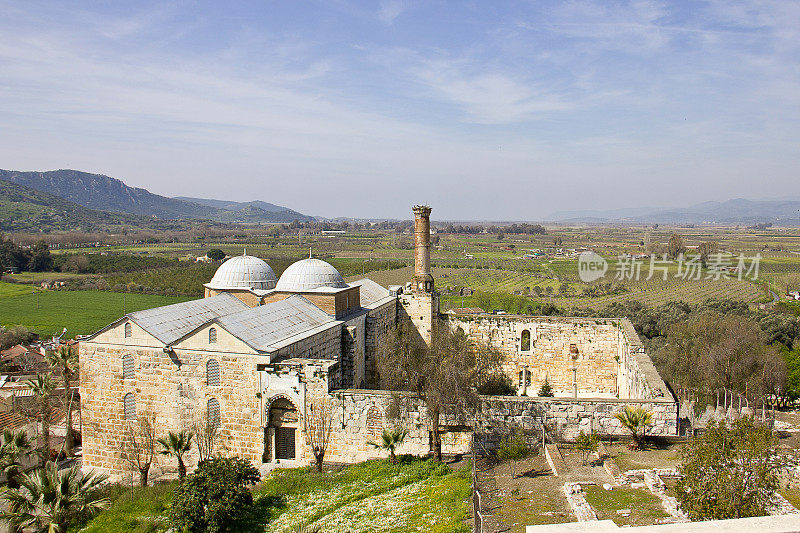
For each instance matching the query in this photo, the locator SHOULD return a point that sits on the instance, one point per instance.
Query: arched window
(127, 329)
(212, 335)
(212, 373)
(129, 406)
(213, 412)
(525, 341)
(128, 367)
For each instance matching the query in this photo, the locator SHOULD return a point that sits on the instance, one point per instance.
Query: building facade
(255, 353)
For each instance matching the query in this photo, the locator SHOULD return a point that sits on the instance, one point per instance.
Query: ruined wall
(564, 418)
(361, 416)
(548, 355)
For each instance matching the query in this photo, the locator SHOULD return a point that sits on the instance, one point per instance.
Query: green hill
(104, 193)
(26, 209)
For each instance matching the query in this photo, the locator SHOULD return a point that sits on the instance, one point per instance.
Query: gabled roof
(171, 322)
(268, 327)
(371, 293)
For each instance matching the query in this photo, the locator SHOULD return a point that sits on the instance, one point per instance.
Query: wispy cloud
(391, 9)
(458, 104)
(489, 98)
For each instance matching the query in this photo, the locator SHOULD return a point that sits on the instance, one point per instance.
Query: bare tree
(443, 375)
(317, 426)
(205, 430)
(138, 445)
(675, 246)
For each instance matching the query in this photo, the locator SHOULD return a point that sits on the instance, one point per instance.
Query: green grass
(81, 312)
(415, 495)
(645, 507)
(14, 289)
(375, 496)
(137, 510)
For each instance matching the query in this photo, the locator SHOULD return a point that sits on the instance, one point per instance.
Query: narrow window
(127, 329)
(212, 335)
(213, 412)
(212, 373)
(129, 406)
(525, 342)
(128, 367)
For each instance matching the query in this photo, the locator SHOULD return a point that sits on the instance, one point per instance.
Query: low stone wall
(565, 418)
(360, 416)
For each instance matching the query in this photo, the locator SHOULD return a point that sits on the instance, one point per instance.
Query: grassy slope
(374, 496)
(81, 312)
(138, 510)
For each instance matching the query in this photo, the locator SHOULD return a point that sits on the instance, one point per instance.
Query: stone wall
(360, 416)
(379, 325)
(172, 387)
(564, 418)
(422, 309)
(325, 344)
(549, 356)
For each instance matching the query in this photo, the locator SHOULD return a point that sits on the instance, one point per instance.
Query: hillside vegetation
(26, 209)
(100, 192)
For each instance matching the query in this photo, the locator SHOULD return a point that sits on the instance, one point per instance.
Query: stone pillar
(423, 280)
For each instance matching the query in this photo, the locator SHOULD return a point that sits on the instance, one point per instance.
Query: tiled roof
(371, 293)
(265, 327)
(171, 322)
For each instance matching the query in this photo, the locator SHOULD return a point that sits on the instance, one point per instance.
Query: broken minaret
(421, 304)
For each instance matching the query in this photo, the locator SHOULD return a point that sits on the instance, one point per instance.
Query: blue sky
(485, 110)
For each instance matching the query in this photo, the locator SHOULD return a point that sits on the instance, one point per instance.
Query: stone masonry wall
(379, 325)
(326, 344)
(565, 418)
(361, 416)
(172, 387)
(598, 344)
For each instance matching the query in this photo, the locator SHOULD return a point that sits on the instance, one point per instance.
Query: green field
(81, 312)
(653, 292)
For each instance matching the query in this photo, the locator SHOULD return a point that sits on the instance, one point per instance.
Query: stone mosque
(256, 351)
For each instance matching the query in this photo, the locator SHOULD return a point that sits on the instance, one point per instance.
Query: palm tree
(42, 388)
(15, 445)
(49, 500)
(391, 439)
(66, 359)
(635, 420)
(177, 444)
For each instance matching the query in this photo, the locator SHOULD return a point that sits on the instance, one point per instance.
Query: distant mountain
(249, 209)
(100, 192)
(26, 209)
(735, 211)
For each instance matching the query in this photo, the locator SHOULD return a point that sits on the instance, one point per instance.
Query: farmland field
(653, 292)
(81, 312)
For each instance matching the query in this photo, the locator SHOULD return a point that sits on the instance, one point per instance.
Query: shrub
(546, 391)
(497, 385)
(586, 444)
(214, 497)
(513, 448)
(730, 471)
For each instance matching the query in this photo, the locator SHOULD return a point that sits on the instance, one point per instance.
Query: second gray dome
(310, 274)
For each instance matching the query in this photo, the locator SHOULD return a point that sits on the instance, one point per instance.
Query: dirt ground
(527, 492)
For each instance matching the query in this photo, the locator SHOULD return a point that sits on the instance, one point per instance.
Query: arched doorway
(281, 431)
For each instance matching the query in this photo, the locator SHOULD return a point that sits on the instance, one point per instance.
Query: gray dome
(243, 272)
(310, 274)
